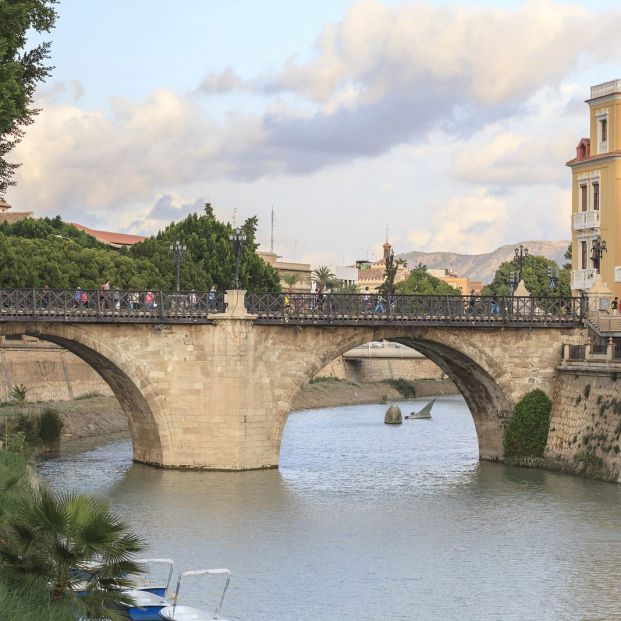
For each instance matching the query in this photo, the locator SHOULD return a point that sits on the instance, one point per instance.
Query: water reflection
(368, 521)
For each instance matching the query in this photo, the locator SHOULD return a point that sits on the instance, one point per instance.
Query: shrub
(527, 432)
(587, 391)
(405, 387)
(50, 427)
(19, 393)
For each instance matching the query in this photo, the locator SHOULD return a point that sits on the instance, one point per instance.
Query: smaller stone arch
(128, 383)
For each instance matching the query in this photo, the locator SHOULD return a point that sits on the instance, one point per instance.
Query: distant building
(12, 216)
(301, 270)
(346, 274)
(596, 194)
(464, 284)
(114, 240)
(374, 275)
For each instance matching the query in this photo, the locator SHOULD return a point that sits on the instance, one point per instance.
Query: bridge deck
(92, 306)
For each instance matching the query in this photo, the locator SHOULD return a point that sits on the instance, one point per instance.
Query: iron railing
(107, 306)
(281, 308)
(341, 309)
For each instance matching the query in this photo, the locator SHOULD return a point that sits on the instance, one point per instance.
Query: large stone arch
(122, 371)
(491, 368)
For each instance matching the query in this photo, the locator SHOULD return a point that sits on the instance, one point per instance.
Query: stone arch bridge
(209, 383)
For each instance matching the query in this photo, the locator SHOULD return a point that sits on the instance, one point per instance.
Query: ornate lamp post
(178, 250)
(238, 237)
(597, 251)
(520, 254)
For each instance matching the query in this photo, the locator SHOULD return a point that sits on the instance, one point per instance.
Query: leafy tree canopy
(535, 278)
(63, 257)
(21, 69)
(421, 282)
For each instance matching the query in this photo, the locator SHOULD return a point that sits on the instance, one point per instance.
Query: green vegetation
(19, 394)
(527, 432)
(47, 540)
(405, 387)
(323, 277)
(21, 70)
(421, 282)
(89, 395)
(321, 379)
(63, 257)
(49, 428)
(535, 278)
(587, 391)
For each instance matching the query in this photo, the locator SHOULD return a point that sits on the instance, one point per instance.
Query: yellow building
(301, 270)
(596, 194)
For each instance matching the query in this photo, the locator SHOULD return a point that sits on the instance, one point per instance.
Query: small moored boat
(149, 597)
(424, 413)
(186, 613)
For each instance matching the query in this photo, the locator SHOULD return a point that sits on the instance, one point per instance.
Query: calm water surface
(366, 521)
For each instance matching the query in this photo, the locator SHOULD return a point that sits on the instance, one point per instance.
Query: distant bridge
(208, 382)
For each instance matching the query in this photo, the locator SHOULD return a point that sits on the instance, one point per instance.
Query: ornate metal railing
(88, 305)
(347, 309)
(110, 306)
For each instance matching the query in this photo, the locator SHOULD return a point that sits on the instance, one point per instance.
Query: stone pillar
(609, 350)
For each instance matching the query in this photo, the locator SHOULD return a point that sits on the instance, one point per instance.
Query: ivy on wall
(527, 432)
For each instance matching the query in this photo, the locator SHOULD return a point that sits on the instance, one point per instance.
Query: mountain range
(483, 266)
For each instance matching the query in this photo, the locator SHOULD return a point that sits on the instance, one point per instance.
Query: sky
(442, 125)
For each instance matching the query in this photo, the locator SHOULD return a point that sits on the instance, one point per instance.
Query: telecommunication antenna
(272, 235)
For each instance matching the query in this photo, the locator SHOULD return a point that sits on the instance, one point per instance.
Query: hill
(483, 266)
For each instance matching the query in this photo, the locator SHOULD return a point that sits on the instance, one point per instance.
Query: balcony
(583, 279)
(586, 220)
(607, 88)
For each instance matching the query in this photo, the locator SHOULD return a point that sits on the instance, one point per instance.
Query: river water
(365, 521)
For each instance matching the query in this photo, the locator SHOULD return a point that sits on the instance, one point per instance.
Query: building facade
(596, 194)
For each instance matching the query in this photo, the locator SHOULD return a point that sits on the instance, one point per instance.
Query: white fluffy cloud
(382, 77)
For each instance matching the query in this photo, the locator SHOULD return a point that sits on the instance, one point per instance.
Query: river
(366, 521)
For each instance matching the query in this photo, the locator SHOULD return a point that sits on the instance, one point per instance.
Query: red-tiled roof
(593, 158)
(15, 216)
(112, 239)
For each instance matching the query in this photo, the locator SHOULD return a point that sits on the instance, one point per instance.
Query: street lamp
(178, 250)
(597, 250)
(520, 254)
(237, 238)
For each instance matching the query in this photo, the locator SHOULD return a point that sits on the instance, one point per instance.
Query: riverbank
(95, 415)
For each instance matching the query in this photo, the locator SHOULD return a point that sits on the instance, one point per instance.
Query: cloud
(222, 82)
(514, 159)
(466, 224)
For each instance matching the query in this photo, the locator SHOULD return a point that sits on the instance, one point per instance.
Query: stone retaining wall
(49, 372)
(585, 423)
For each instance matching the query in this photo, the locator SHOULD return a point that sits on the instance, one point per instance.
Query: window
(603, 129)
(583, 255)
(584, 200)
(596, 196)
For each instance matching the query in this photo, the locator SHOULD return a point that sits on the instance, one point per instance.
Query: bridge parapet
(420, 310)
(109, 306)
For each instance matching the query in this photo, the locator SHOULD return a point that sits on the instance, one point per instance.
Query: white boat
(187, 613)
(424, 413)
(149, 597)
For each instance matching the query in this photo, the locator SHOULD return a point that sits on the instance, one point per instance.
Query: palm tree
(71, 543)
(323, 277)
(290, 280)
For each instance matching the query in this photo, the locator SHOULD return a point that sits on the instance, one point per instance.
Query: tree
(421, 282)
(21, 70)
(567, 256)
(390, 272)
(70, 541)
(536, 278)
(291, 280)
(323, 277)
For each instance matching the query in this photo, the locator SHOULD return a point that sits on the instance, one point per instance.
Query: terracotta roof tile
(112, 239)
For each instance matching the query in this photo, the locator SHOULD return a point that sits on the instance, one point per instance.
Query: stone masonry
(218, 396)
